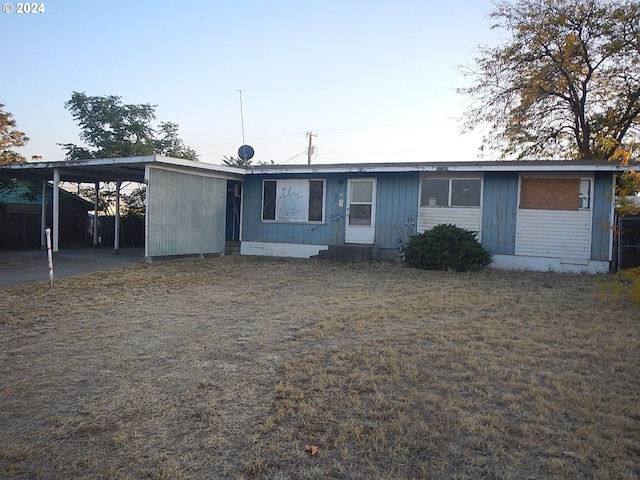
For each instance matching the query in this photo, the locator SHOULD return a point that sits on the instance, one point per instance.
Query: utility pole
(310, 148)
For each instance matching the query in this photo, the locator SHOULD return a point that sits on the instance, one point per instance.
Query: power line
(330, 130)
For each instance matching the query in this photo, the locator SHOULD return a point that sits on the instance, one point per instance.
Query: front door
(361, 211)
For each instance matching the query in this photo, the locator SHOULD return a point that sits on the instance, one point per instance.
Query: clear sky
(374, 80)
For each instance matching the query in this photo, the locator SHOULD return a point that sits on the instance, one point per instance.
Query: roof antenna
(245, 152)
(241, 114)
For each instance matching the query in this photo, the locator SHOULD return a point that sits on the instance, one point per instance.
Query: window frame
(272, 203)
(424, 203)
(585, 190)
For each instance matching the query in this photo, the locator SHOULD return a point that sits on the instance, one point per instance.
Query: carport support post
(116, 240)
(56, 207)
(43, 216)
(95, 216)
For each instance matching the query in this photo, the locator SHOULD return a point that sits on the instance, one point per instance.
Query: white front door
(361, 211)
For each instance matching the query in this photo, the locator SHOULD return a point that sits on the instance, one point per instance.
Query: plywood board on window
(550, 193)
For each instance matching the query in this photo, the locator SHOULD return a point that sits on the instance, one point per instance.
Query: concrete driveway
(19, 267)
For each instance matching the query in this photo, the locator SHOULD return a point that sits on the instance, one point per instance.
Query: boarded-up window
(550, 193)
(293, 200)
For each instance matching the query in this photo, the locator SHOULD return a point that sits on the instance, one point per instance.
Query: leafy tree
(236, 161)
(566, 83)
(10, 138)
(135, 202)
(106, 196)
(112, 129)
(171, 145)
(239, 162)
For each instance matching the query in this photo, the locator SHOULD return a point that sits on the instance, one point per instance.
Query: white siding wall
(186, 213)
(469, 218)
(554, 233)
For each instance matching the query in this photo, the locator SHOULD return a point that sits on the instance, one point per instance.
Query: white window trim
(449, 193)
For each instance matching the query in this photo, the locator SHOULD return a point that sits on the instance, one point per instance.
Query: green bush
(446, 247)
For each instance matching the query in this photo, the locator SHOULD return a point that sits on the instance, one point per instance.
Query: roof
(134, 168)
(480, 166)
(30, 193)
(110, 169)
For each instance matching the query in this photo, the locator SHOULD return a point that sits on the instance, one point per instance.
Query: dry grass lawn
(228, 368)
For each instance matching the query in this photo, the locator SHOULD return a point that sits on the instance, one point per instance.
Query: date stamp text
(23, 8)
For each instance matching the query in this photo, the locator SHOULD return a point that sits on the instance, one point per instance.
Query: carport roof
(111, 169)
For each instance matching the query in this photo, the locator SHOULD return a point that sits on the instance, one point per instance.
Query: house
(21, 216)
(538, 215)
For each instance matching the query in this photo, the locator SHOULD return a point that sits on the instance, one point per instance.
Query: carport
(185, 200)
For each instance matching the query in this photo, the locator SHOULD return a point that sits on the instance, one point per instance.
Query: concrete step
(232, 248)
(348, 253)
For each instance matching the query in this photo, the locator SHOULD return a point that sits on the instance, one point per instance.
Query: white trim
(549, 264)
(147, 171)
(293, 250)
(447, 167)
(361, 234)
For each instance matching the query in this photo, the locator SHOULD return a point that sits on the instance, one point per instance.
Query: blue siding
(601, 226)
(396, 209)
(255, 230)
(500, 212)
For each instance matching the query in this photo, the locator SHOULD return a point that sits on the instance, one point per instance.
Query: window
(547, 193)
(450, 192)
(294, 200)
(585, 194)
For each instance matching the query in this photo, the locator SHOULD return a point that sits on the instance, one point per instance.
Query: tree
(566, 83)
(10, 138)
(113, 129)
(136, 202)
(171, 145)
(236, 161)
(239, 162)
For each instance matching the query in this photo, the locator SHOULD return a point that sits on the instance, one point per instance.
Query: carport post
(116, 240)
(43, 216)
(95, 216)
(56, 207)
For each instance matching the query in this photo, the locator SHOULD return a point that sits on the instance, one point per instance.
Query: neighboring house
(21, 215)
(538, 215)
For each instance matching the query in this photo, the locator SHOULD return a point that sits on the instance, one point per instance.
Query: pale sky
(374, 80)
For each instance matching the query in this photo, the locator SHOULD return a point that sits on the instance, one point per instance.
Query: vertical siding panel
(187, 213)
(601, 225)
(500, 212)
(333, 232)
(397, 200)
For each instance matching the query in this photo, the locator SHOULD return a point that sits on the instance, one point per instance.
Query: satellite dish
(245, 152)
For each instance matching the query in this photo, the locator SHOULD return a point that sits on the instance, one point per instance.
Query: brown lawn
(228, 368)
